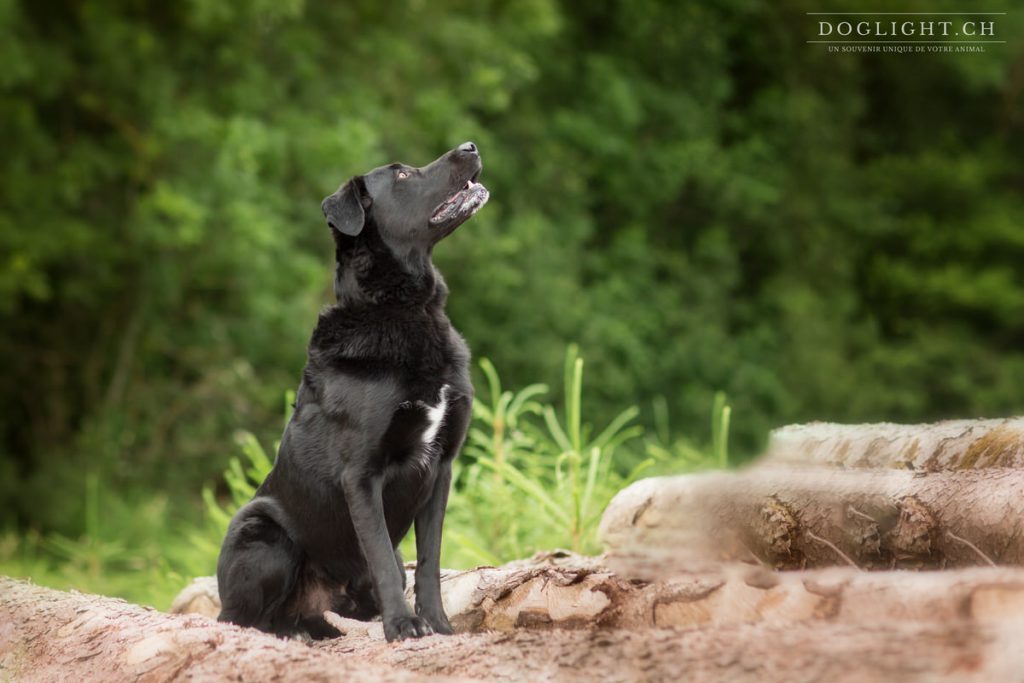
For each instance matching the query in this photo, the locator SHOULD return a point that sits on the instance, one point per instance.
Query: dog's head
(410, 207)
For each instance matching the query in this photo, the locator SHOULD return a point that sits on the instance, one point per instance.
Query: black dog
(381, 412)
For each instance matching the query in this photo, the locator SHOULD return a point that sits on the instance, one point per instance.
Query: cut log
(745, 653)
(847, 631)
(47, 635)
(951, 445)
(556, 588)
(566, 591)
(795, 519)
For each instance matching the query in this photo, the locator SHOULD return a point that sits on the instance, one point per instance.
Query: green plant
(130, 548)
(242, 480)
(532, 479)
(243, 476)
(673, 453)
(476, 530)
(720, 415)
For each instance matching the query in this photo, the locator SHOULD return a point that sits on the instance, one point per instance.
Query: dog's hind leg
(257, 572)
(317, 628)
(316, 593)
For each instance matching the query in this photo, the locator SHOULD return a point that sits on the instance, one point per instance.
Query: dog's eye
(402, 175)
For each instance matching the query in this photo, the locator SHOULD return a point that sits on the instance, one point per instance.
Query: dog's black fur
(381, 412)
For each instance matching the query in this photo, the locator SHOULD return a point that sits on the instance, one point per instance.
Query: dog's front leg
(366, 507)
(428, 553)
(430, 519)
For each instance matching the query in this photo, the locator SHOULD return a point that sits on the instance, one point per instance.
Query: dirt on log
(800, 518)
(950, 445)
(970, 632)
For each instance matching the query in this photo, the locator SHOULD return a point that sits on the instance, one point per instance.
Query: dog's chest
(423, 426)
(435, 416)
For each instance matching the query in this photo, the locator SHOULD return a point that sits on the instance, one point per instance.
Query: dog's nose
(467, 147)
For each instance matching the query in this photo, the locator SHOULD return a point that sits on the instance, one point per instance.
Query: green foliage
(720, 415)
(137, 550)
(689, 191)
(243, 476)
(673, 453)
(528, 479)
(242, 481)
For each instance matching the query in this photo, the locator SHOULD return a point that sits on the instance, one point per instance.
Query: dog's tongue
(449, 206)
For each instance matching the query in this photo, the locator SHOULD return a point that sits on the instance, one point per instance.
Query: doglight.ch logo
(905, 32)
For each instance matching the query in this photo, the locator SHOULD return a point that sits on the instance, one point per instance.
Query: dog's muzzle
(461, 205)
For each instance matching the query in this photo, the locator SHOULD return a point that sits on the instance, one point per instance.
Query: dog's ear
(345, 210)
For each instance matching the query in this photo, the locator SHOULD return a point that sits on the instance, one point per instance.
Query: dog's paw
(400, 628)
(438, 622)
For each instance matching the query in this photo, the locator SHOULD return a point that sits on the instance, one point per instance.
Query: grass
(135, 549)
(532, 476)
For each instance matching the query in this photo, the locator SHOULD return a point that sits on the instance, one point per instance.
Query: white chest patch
(435, 416)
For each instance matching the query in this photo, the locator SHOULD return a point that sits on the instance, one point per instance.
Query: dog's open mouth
(461, 205)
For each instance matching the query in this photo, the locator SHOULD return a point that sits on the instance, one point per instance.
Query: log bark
(950, 445)
(742, 653)
(958, 626)
(568, 592)
(47, 635)
(687, 590)
(795, 519)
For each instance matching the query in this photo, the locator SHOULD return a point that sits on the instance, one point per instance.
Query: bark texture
(688, 590)
(574, 593)
(754, 653)
(837, 625)
(795, 519)
(47, 635)
(950, 445)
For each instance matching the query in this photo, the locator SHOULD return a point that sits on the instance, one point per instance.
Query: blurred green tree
(696, 196)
